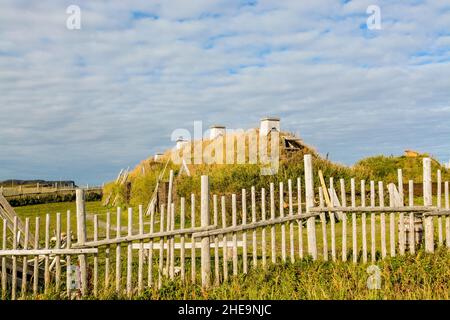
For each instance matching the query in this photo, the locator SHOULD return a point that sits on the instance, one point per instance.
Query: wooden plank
(311, 222)
(324, 194)
(36, 258)
(205, 253)
(291, 224)
(150, 250)
(168, 227)
(439, 205)
(324, 227)
(400, 186)
(47, 258)
(344, 237)
(447, 219)
(332, 223)
(193, 273)
(25, 260)
(129, 254)
(254, 243)
(216, 242)
(234, 224)
(14, 261)
(417, 209)
(263, 231)
(427, 199)
(363, 222)
(354, 233)
(172, 242)
(141, 252)
(392, 219)
(412, 243)
(118, 252)
(9, 214)
(58, 257)
(81, 236)
(161, 249)
(4, 238)
(107, 251)
(224, 240)
(43, 252)
(401, 238)
(251, 226)
(95, 280)
(300, 222)
(182, 239)
(382, 220)
(244, 234)
(170, 214)
(283, 226)
(272, 217)
(372, 223)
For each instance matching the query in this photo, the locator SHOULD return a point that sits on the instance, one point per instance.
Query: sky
(82, 104)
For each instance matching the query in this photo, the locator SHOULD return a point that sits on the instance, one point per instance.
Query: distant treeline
(42, 183)
(26, 200)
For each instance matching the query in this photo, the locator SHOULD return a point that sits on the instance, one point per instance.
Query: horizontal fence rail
(220, 236)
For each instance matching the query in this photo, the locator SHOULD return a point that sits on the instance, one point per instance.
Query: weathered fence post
(427, 201)
(81, 237)
(311, 222)
(204, 220)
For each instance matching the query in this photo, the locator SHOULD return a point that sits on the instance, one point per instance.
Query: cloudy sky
(82, 104)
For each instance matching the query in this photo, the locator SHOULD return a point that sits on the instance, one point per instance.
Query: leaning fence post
(311, 222)
(427, 201)
(81, 237)
(204, 220)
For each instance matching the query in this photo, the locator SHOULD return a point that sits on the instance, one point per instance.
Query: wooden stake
(382, 220)
(36, 258)
(283, 225)
(244, 234)
(300, 221)
(272, 216)
(130, 254)
(291, 224)
(118, 252)
(216, 242)
(224, 241)
(311, 222)
(427, 198)
(263, 232)
(354, 233)
(254, 244)
(25, 259)
(234, 223)
(182, 240)
(205, 254)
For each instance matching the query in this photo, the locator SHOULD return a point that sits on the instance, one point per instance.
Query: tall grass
(425, 276)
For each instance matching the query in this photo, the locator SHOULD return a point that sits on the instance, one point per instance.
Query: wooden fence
(284, 223)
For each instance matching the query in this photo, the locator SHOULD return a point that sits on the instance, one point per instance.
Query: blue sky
(82, 104)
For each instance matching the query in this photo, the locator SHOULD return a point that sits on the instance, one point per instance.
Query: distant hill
(385, 167)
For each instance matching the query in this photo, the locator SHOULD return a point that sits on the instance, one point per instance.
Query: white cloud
(82, 104)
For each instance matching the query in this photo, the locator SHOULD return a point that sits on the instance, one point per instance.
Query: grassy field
(426, 276)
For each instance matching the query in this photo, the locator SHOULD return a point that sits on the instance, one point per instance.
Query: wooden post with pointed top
(311, 222)
(427, 201)
(204, 220)
(81, 237)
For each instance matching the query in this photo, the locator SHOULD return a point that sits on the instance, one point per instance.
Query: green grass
(425, 276)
